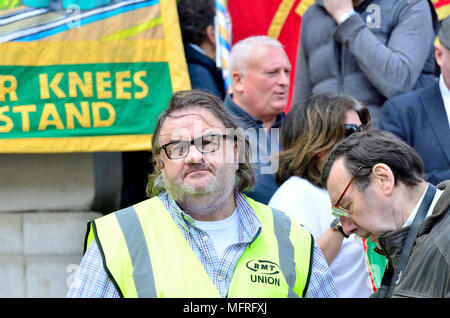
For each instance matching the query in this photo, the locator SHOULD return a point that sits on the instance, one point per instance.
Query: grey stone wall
(45, 203)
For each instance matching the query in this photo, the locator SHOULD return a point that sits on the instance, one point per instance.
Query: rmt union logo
(263, 272)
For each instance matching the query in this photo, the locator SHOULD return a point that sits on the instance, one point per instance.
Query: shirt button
(205, 238)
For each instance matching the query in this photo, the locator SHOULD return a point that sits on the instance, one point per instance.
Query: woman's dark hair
(311, 129)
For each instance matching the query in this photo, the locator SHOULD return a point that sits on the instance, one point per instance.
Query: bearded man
(199, 236)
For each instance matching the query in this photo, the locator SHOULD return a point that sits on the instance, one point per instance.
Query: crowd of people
(254, 202)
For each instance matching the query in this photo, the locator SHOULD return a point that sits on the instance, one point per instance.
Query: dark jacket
(427, 272)
(419, 118)
(203, 72)
(372, 60)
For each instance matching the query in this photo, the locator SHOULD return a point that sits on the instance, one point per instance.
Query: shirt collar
(180, 217)
(196, 47)
(411, 217)
(445, 92)
(247, 119)
(249, 227)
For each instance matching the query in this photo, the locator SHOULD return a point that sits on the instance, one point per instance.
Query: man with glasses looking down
(199, 236)
(377, 188)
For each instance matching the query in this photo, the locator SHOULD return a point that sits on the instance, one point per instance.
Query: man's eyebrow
(344, 201)
(188, 140)
(173, 141)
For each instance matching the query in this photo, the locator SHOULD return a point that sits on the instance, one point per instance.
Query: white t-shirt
(310, 206)
(223, 233)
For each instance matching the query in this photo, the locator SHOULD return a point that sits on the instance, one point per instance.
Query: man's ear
(159, 163)
(383, 178)
(438, 55)
(238, 81)
(211, 34)
(322, 154)
(236, 155)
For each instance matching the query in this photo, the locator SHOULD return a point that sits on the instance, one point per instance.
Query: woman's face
(351, 117)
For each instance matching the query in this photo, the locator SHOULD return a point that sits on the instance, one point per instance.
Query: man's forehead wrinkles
(182, 115)
(204, 114)
(167, 135)
(185, 133)
(196, 127)
(179, 121)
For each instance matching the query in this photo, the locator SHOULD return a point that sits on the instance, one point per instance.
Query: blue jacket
(203, 72)
(264, 157)
(419, 118)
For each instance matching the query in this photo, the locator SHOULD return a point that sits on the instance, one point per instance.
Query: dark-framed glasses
(352, 128)
(337, 210)
(179, 149)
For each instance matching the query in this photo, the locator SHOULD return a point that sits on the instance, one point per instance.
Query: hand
(337, 8)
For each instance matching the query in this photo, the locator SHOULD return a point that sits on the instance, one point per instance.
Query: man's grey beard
(203, 200)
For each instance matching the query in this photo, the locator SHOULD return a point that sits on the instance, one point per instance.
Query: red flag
(442, 8)
(279, 19)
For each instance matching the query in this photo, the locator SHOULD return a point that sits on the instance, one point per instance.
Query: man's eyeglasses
(338, 211)
(205, 144)
(352, 128)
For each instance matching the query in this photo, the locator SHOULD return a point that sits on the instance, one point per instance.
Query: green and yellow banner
(80, 76)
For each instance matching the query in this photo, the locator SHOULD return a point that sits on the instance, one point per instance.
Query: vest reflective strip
(140, 258)
(139, 254)
(282, 229)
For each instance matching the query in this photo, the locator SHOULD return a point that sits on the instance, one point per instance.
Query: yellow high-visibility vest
(146, 255)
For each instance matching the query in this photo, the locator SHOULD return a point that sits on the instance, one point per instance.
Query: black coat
(427, 273)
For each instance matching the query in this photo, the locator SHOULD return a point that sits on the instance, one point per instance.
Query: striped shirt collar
(249, 227)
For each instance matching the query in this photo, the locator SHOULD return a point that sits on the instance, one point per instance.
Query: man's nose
(194, 155)
(348, 225)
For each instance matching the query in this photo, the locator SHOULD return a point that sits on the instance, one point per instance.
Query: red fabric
(254, 18)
